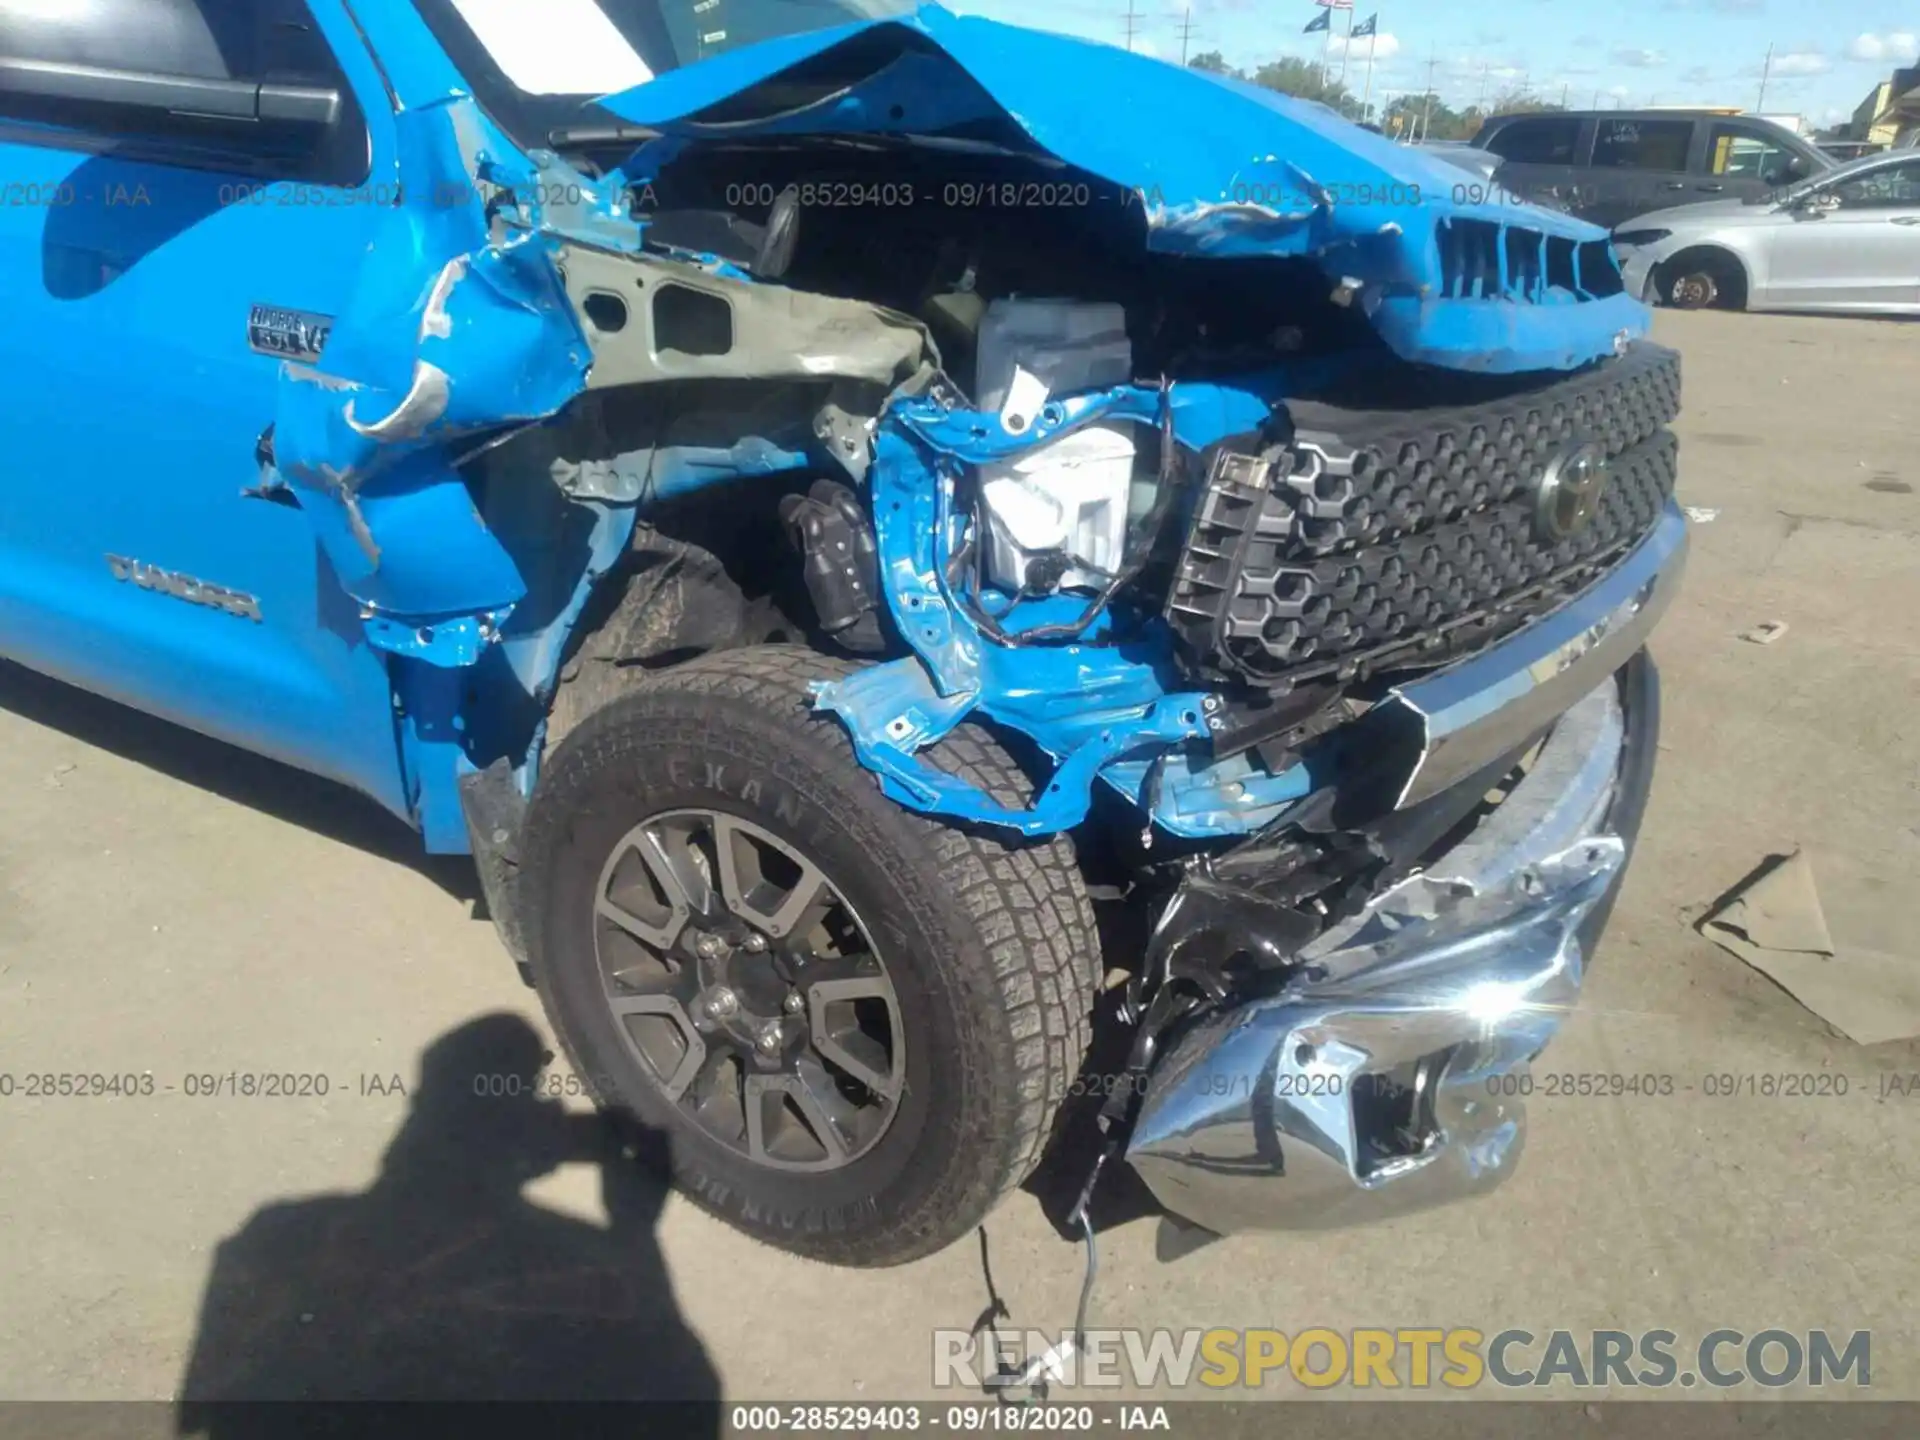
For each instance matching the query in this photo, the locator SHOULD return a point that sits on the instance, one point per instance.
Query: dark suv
(1607, 166)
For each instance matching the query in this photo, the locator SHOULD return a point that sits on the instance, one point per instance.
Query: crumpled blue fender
(451, 331)
(1087, 705)
(1224, 169)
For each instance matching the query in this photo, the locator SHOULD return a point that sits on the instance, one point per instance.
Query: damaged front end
(1283, 501)
(1381, 1066)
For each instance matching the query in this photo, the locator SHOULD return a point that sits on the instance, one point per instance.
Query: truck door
(158, 263)
(1639, 164)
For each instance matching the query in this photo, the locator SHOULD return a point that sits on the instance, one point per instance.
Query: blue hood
(1221, 168)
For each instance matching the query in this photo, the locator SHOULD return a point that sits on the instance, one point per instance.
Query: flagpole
(1373, 39)
(1344, 49)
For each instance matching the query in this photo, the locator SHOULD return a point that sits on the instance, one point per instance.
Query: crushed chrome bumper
(1386, 1076)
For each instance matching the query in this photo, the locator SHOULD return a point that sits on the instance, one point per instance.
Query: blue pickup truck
(810, 494)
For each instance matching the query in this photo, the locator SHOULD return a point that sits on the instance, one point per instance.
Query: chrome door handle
(1906, 219)
(1712, 189)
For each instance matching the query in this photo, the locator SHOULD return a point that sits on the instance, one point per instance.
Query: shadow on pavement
(441, 1281)
(302, 799)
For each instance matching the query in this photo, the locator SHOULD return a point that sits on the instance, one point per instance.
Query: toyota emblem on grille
(1568, 493)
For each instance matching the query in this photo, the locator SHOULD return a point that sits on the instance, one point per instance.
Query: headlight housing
(1631, 238)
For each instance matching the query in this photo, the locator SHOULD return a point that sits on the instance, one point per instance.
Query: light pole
(1426, 118)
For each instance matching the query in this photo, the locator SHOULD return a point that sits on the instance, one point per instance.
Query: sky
(1826, 57)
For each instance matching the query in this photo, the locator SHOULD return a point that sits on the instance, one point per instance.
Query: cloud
(1698, 75)
(1800, 62)
(1897, 45)
(1470, 68)
(1725, 7)
(1638, 59)
(1385, 46)
(1585, 42)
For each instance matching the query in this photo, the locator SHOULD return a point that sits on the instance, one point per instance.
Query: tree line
(1425, 115)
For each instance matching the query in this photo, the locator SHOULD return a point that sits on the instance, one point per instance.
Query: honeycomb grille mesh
(1371, 532)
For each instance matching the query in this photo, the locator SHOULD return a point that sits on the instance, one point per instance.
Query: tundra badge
(184, 587)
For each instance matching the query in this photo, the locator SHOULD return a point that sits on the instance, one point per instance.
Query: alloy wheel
(749, 991)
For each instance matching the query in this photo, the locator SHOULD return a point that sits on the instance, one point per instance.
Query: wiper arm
(580, 137)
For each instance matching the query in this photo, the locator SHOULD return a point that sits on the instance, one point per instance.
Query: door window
(1890, 187)
(1642, 144)
(1537, 142)
(1740, 153)
(254, 42)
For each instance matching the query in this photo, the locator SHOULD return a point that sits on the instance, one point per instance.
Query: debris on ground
(1766, 632)
(1701, 514)
(59, 772)
(1866, 982)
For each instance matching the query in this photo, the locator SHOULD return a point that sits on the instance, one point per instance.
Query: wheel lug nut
(755, 943)
(722, 1003)
(795, 1002)
(770, 1039)
(707, 947)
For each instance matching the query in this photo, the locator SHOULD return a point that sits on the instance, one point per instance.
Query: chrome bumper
(1458, 720)
(1388, 1076)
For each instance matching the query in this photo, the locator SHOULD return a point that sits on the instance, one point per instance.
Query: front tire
(855, 1025)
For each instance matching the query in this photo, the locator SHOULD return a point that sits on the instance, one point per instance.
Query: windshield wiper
(586, 137)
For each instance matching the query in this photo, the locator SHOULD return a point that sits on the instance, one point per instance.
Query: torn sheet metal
(661, 472)
(1087, 705)
(1242, 171)
(753, 331)
(1864, 981)
(452, 331)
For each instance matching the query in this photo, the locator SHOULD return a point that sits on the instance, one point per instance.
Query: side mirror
(238, 101)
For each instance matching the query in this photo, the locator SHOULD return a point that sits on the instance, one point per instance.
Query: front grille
(1483, 260)
(1370, 534)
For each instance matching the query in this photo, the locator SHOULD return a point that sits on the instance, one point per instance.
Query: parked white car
(1847, 240)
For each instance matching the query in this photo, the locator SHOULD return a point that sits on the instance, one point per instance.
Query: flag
(1367, 26)
(1322, 21)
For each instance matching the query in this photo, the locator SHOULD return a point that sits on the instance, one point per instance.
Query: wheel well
(1725, 267)
(710, 563)
(703, 573)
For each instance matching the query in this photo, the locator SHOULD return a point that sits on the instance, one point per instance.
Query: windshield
(1837, 175)
(537, 65)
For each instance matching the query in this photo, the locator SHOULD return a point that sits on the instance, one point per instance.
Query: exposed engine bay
(1174, 465)
(1175, 519)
